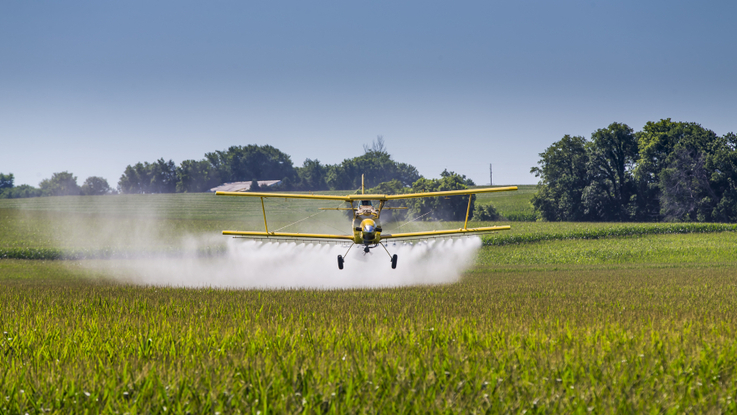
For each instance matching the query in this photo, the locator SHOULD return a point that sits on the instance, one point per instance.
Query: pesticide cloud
(143, 245)
(274, 265)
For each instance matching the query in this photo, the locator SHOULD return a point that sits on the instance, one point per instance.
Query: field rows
(552, 318)
(617, 342)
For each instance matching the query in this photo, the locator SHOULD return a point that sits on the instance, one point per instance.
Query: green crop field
(514, 205)
(551, 318)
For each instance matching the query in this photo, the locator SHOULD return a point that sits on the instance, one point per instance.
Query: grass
(556, 318)
(515, 206)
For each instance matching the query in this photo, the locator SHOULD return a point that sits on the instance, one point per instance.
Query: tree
(612, 153)
(440, 208)
(157, 177)
(722, 164)
(134, 179)
(6, 181)
(486, 213)
(312, 175)
(657, 143)
(392, 187)
(196, 176)
(685, 192)
(239, 163)
(95, 186)
(377, 167)
(163, 176)
(377, 146)
(21, 191)
(60, 184)
(467, 182)
(254, 186)
(563, 174)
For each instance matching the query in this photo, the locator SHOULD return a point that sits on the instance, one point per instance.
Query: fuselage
(366, 224)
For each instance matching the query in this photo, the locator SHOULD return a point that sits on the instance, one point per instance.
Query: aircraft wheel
(340, 261)
(394, 261)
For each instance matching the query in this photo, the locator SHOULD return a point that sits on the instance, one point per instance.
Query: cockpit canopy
(366, 203)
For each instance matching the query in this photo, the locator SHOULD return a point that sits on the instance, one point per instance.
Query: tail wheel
(340, 261)
(394, 261)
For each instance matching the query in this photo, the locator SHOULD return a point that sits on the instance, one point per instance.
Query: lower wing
(293, 235)
(449, 232)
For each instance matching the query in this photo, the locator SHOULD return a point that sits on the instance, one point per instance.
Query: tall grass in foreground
(582, 340)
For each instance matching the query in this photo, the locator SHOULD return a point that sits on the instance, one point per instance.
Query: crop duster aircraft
(366, 230)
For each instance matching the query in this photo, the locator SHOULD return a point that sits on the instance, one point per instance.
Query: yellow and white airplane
(367, 230)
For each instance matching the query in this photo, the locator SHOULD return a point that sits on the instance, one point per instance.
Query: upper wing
(285, 195)
(409, 235)
(350, 198)
(451, 193)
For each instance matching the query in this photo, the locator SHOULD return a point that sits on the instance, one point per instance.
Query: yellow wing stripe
(451, 193)
(288, 235)
(285, 195)
(445, 232)
(349, 198)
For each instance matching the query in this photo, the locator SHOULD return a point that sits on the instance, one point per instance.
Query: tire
(394, 261)
(340, 261)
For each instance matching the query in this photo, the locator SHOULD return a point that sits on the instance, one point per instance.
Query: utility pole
(491, 182)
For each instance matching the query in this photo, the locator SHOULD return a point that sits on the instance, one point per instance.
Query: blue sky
(90, 87)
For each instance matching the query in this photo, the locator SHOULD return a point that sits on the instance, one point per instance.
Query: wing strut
(468, 210)
(263, 209)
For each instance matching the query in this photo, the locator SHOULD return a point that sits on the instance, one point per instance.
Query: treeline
(247, 163)
(672, 171)
(60, 184)
(433, 208)
(253, 162)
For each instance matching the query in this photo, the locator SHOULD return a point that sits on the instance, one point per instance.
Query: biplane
(366, 229)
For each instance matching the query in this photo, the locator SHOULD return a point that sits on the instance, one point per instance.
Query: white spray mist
(275, 265)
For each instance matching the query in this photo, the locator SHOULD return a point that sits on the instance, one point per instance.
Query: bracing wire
(416, 219)
(304, 219)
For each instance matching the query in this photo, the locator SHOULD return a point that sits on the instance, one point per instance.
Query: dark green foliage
(612, 154)
(312, 175)
(157, 177)
(244, 163)
(564, 176)
(60, 184)
(440, 208)
(486, 213)
(392, 187)
(376, 166)
(9, 191)
(254, 186)
(673, 171)
(722, 168)
(435, 208)
(664, 148)
(468, 182)
(95, 186)
(19, 192)
(6, 181)
(196, 176)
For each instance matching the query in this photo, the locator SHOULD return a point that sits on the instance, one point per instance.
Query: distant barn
(243, 186)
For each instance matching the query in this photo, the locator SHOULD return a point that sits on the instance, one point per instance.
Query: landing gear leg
(341, 258)
(393, 257)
